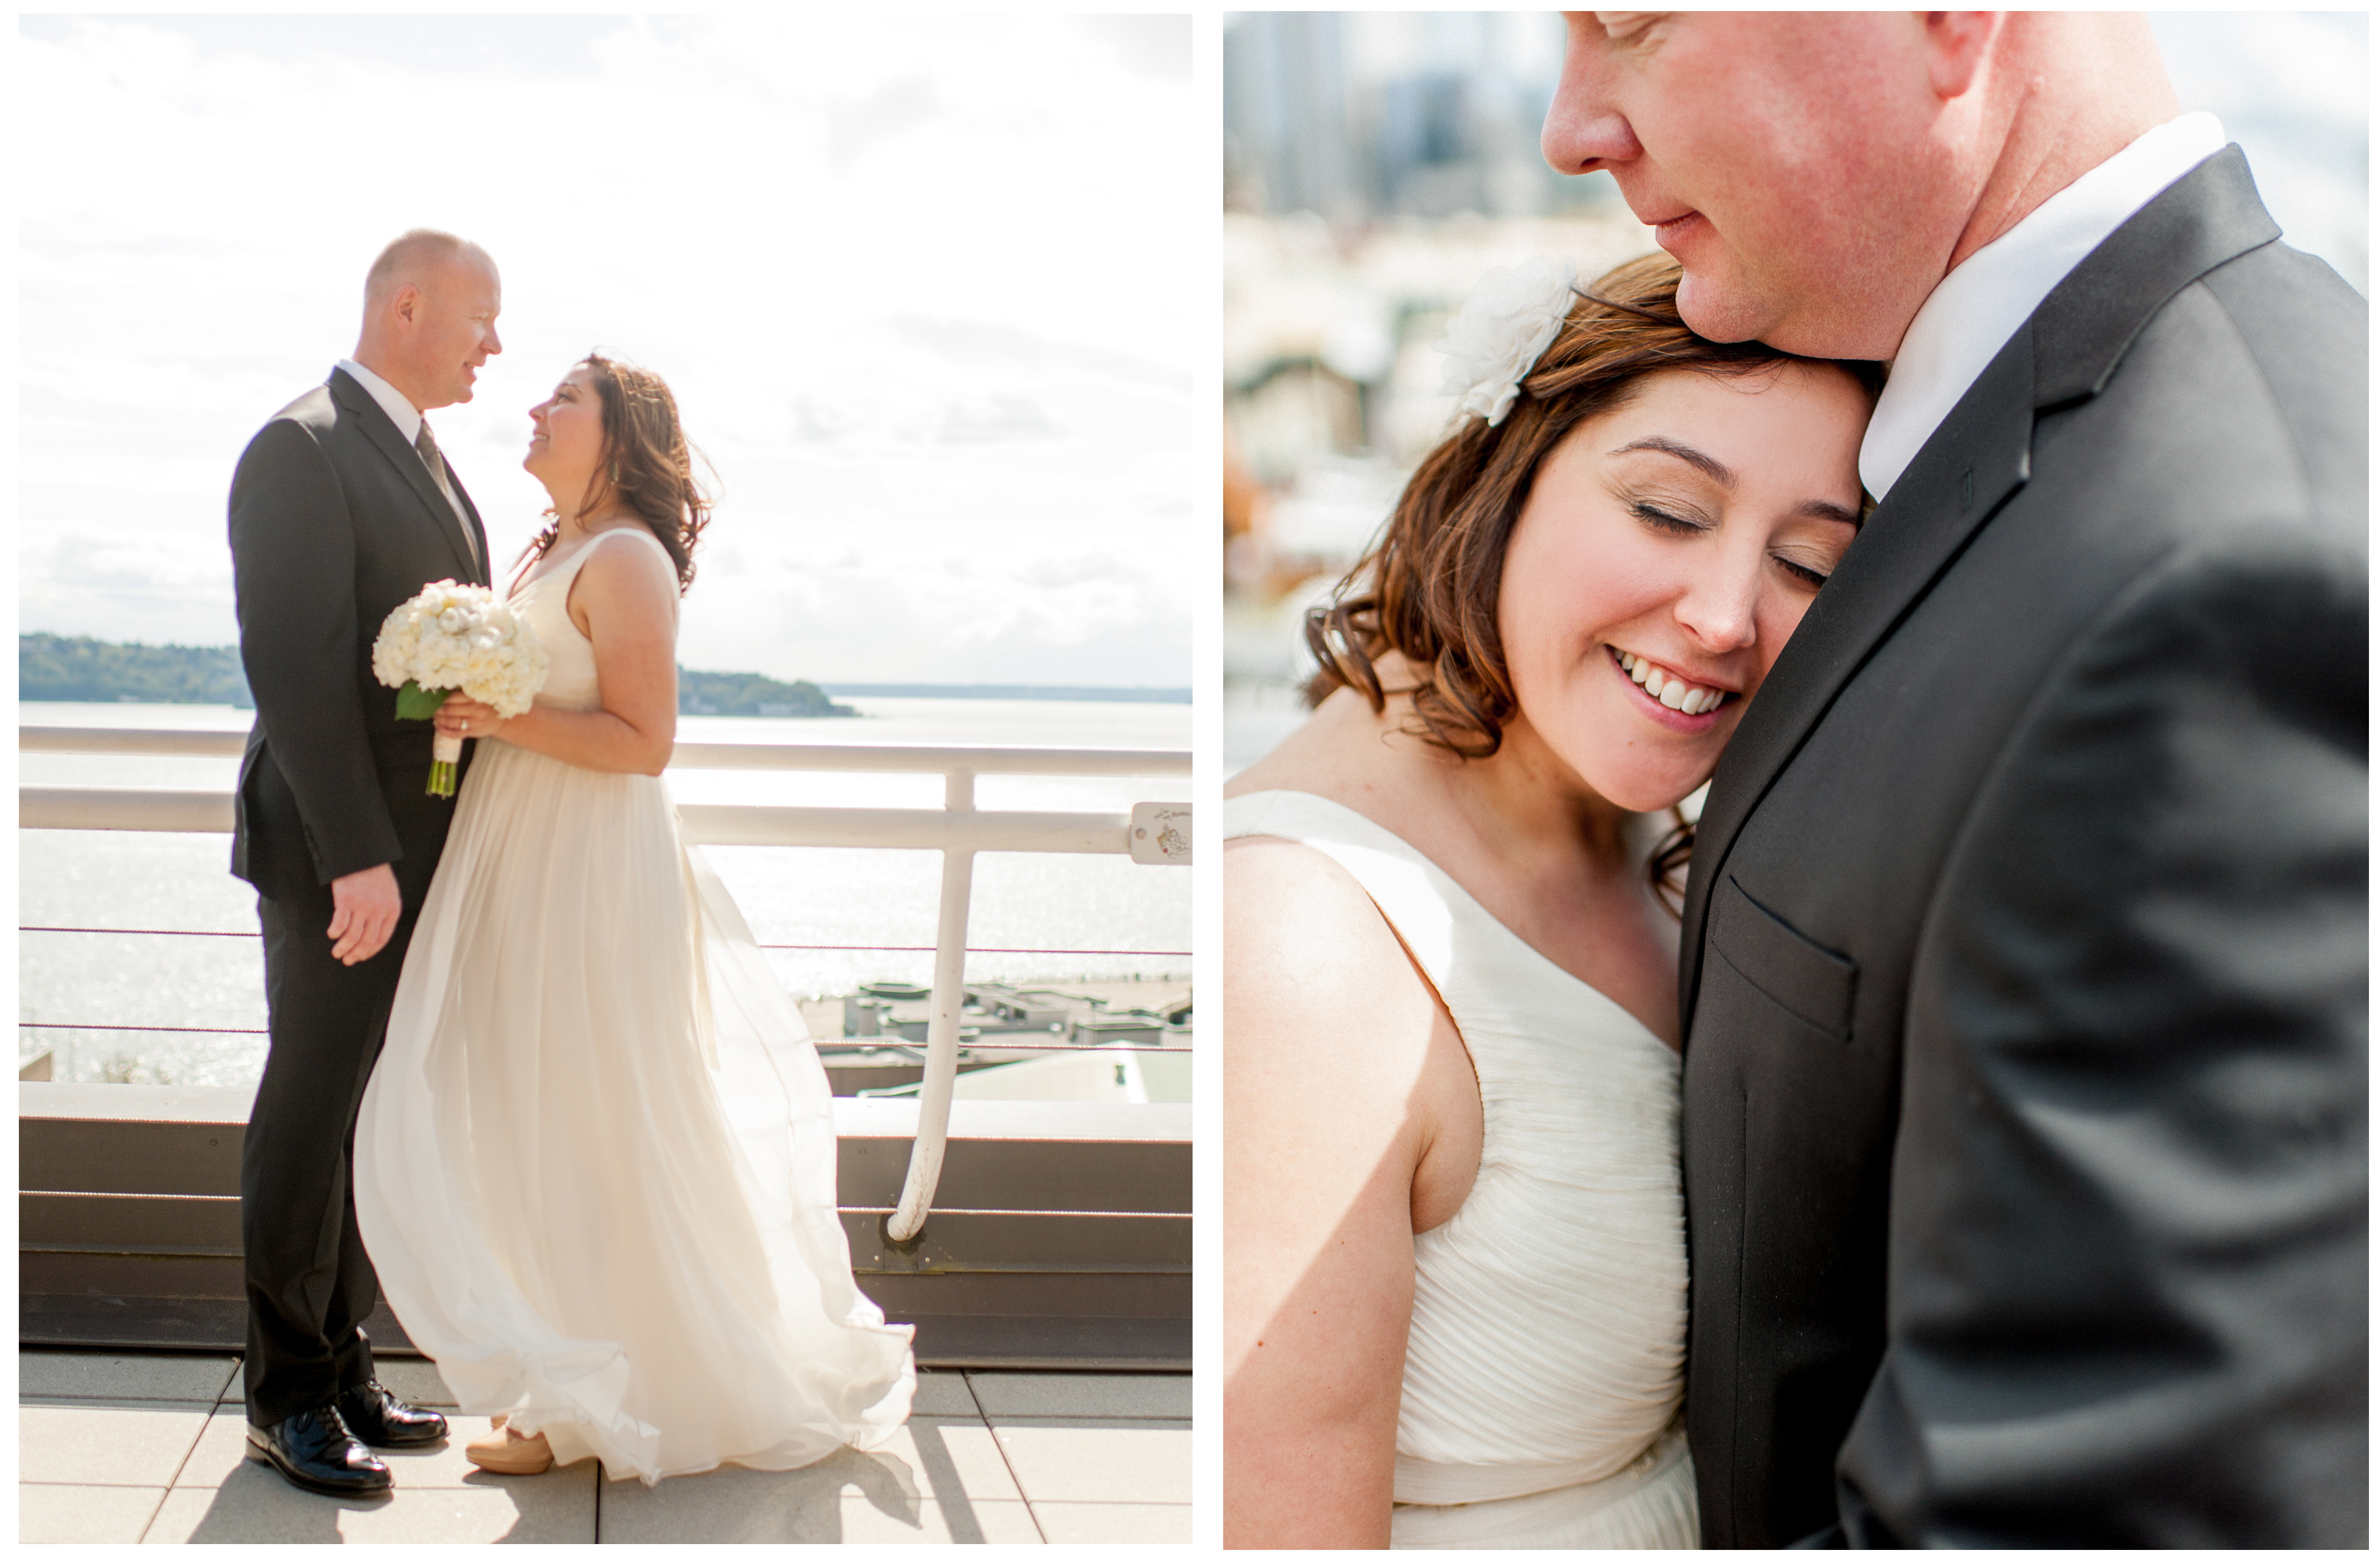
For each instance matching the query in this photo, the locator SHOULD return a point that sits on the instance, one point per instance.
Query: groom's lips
(1670, 232)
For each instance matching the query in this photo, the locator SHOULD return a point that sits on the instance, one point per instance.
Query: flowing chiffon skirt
(595, 1166)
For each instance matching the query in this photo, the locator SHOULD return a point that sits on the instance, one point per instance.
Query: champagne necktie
(427, 445)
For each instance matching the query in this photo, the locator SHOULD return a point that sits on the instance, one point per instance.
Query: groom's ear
(1956, 43)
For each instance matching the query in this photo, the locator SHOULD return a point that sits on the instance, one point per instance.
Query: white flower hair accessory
(1510, 318)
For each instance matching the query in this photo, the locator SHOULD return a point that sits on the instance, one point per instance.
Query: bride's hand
(463, 716)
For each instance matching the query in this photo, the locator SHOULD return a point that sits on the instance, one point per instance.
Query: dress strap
(635, 530)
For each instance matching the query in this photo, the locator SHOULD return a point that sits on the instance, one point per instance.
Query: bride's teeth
(1686, 698)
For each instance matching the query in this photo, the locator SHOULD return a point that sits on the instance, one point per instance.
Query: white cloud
(918, 284)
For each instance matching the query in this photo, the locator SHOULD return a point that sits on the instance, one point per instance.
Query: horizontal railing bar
(926, 829)
(166, 1029)
(841, 947)
(856, 1041)
(863, 758)
(1068, 1047)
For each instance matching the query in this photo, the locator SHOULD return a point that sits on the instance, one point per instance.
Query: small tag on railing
(1160, 832)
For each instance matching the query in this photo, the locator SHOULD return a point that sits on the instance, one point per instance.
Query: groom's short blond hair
(410, 257)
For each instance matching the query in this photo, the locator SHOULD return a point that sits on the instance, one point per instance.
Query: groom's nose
(1584, 130)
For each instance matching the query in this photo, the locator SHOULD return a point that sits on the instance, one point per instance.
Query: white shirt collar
(402, 412)
(1974, 311)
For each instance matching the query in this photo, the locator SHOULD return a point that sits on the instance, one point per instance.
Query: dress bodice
(544, 603)
(1548, 1342)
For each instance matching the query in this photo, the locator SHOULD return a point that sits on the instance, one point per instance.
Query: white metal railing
(1152, 832)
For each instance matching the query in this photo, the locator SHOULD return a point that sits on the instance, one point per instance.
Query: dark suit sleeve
(2128, 1287)
(293, 569)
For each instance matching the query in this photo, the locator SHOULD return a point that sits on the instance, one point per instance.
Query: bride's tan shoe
(507, 1451)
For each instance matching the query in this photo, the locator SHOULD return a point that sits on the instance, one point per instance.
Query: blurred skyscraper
(1354, 115)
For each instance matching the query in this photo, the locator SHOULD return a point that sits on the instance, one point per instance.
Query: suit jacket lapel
(1976, 460)
(407, 461)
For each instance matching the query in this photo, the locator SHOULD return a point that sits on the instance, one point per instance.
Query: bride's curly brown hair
(647, 463)
(1429, 587)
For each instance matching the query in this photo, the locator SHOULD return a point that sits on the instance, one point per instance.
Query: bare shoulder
(626, 584)
(1318, 975)
(1293, 907)
(630, 565)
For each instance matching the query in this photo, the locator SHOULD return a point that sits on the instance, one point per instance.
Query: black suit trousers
(309, 1284)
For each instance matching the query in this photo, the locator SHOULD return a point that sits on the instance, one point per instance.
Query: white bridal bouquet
(455, 637)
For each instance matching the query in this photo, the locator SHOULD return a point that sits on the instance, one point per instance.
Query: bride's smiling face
(567, 435)
(1672, 545)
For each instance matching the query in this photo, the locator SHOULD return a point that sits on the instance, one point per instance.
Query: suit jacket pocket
(1808, 980)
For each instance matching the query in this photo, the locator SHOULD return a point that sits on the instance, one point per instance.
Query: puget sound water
(112, 879)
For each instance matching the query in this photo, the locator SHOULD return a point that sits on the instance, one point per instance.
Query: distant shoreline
(55, 668)
(1006, 692)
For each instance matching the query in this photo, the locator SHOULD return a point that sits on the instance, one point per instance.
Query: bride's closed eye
(1665, 520)
(1812, 562)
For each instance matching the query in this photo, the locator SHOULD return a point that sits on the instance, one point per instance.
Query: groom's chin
(1712, 309)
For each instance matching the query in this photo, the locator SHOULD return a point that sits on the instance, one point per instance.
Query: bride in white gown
(595, 1166)
(1455, 1262)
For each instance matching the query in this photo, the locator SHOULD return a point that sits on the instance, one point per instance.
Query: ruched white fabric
(595, 1166)
(1544, 1371)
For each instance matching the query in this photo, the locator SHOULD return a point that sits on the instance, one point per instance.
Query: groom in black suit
(2024, 976)
(341, 509)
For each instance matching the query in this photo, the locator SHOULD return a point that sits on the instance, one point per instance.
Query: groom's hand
(365, 907)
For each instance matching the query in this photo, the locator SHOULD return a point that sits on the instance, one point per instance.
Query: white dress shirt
(402, 412)
(1974, 311)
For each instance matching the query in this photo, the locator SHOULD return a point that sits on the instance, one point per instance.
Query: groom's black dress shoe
(380, 1419)
(315, 1452)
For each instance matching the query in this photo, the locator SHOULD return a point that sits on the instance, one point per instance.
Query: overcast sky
(924, 290)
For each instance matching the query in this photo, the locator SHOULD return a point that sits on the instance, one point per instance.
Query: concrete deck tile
(943, 1393)
(986, 1522)
(84, 1514)
(1068, 1522)
(1099, 1394)
(45, 1373)
(958, 1460)
(255, 1506)
(1098, 1460)
(951, 1466)
(93, 1441)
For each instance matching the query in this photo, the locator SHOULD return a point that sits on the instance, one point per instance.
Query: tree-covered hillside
(50, 667)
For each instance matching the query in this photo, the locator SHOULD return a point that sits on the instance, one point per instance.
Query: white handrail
(864, 757)
(911, 829)
(958, 829)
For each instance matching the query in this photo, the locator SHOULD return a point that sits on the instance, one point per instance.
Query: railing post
(942, 1029)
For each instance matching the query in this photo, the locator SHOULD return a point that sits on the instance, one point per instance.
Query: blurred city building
(1378, 163)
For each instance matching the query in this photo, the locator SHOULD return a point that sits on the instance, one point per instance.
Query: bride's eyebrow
(1709, 466)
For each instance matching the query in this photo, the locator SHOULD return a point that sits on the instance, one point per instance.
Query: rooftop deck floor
(123, 1449)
